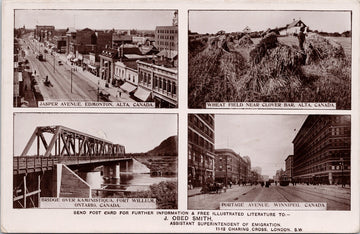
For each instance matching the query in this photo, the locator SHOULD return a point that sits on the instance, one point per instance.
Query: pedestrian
(120, 94)
(301, 38)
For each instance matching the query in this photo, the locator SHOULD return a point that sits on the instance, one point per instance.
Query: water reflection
(128, 182)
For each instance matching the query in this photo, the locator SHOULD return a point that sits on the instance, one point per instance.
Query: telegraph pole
(342, 172)
(71, 69)
(54, 62)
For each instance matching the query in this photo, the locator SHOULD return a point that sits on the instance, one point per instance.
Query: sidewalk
(326, 188)
(196, 191)
(212, 200)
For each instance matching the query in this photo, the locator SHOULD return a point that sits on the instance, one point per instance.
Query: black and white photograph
(121, 56)
(269, 158)
(106, 156)
(269, 56)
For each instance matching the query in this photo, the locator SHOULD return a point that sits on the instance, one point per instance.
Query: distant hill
(167, 147)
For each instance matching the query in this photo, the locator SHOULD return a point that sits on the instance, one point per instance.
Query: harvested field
(272, 69)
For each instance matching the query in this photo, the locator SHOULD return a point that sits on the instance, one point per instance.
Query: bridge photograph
(73, 155)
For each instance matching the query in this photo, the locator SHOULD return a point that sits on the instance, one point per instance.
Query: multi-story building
(227, 166)
(126, 74)
(230, 166)
(289, 167)
(201, 152)
(84, 42)
(108, 57)
(166, 37)
(248, 168)
(44, 32)
(159, 82)
(322, 150)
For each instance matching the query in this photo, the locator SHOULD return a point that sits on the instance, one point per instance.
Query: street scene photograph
(269, 158)
(269, 56)
(108, 156)
(98, 56)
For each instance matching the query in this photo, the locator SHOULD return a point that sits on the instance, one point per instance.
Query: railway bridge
(54, 159)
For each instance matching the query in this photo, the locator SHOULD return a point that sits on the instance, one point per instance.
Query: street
(66, 82)
(337, 198)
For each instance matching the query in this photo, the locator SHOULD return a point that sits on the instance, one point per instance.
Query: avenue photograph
(70, 55)
(269, 158)
(269, 56)
(108, 156)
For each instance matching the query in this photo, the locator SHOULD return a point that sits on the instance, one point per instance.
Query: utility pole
(54, 62)
(98, 91)
(71, 69)
(226, 170)
(342, 172)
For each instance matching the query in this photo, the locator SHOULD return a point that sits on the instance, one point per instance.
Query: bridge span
(47, 165)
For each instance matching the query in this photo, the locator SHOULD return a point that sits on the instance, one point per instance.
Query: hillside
(167, 147)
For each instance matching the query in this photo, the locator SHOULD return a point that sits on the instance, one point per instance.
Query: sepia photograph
(122, 56)
(288, 159)
(269, 56)
(98, 156)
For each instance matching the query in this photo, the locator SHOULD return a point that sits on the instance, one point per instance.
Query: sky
(137, 132)
(94, 19)
(266, 139)
(236, 21)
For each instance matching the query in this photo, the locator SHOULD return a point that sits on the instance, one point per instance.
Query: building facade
(44, 32)
(230, 166)
(289, 168)
(166, 38)
(201, 152)
(322, 150)
(160, 82)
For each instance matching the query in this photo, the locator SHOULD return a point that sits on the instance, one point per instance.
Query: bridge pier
(116, 172)
(106, 172)
(92, 178)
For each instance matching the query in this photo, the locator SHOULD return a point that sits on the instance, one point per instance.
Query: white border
(39, 220)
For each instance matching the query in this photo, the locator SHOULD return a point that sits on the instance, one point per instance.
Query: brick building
(230, 166)
(44, 32)
(201, 152)
(322, 150)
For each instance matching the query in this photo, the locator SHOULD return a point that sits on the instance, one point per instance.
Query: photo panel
(97, 161)
(95, 58)
(269, 162)
(273, 59)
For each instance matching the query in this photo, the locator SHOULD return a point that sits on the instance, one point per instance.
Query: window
(174, 88)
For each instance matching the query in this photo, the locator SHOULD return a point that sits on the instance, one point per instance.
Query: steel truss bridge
(58, 145)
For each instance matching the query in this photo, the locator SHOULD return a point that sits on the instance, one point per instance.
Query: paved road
(335, 197)
(65, 85)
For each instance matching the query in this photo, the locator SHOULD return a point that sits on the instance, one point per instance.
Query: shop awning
(128, 87)
(142, 94)
(91, 66)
